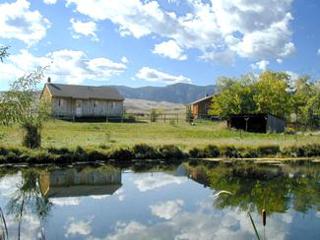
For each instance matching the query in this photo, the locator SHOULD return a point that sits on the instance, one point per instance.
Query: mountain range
(177, 93)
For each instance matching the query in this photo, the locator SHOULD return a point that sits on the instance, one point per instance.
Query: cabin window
(59, 102)
(95, 104)
(113, 105)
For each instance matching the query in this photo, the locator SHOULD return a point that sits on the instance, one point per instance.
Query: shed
(260, 123)
(77, 101)
(200, 108)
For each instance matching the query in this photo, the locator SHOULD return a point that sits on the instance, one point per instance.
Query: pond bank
(152, 154)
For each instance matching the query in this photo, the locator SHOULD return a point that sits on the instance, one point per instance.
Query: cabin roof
(242, 115)
(202, 99)
(84, 92)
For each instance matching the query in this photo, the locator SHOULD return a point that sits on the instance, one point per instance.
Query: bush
(144, 151)
(171, 152)
(122, 155)
(271, 150)
(80, 154)
(231, 152)
(32, 136)
(212, 151)
(97, 156)
(197, 153)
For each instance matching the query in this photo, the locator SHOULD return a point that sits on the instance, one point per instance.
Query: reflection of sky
(154, 206)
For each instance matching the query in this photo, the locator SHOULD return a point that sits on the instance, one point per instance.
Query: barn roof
(202, 99)
(84, 92)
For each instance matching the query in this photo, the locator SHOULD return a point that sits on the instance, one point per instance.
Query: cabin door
(78, 108)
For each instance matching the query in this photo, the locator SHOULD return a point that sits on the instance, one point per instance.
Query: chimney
(49, 80)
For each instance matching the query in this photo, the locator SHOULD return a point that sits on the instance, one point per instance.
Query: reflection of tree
(255, 187)
(28, 198)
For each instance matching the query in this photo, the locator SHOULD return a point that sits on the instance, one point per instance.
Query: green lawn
(111, 135)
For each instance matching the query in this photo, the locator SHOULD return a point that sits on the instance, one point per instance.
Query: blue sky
(139, 43)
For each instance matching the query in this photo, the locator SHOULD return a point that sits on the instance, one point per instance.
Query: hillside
(144, 106)
(176, 93)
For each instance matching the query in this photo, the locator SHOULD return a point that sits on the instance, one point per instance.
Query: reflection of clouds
(8, 184)
(205, 223)
(78, 227)
(157, 180)
(167, 210)
(120, 194)
(69, 201)
(99, 197)
(30, 227)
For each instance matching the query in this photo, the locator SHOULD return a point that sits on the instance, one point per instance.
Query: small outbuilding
(200, 108)
(259, 123)
(76, 101)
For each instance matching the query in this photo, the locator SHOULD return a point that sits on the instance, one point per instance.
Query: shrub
(95, 155)
(122, 155)
(144, 151)
(212, 151)
(197, 153)
(59, 151)
(231, 152)
(171, 152)
(32, 136)
(80, 154)
(268, 150)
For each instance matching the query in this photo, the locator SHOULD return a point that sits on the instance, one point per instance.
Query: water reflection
(275, 188)
(75, 183)
(175, 202)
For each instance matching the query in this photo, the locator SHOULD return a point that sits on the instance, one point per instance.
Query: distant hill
(145, 106)
(176, 93)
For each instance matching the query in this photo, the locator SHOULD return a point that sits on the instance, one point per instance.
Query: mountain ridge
(182, 93)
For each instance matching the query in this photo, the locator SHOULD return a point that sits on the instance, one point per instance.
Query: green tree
(272, 95)
(311, 111)
(234, 97)
(19, 105)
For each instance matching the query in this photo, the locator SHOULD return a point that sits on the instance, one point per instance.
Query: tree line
(271, 92)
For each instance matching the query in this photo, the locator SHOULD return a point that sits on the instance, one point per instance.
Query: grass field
(112, 135)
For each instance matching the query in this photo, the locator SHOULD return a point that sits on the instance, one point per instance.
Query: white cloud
(167, 210)
(261, 65)
(318, 52)
(75, 228)
(19, 22)
(153, 75)
(87, 29)
(279, 60)
(147, 182)
(170, 49)
(50, 2)
(124, 60)
(64, 65)
(257, 30)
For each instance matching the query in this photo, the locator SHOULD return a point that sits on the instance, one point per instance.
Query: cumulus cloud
(249, 29)
(19, 22)
(167, 210)
(50, 2)
(170, 49)
(87, 29)
(153, 75)
(261, 65)
(64, 65)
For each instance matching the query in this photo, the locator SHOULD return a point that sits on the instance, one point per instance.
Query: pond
(177, 202)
